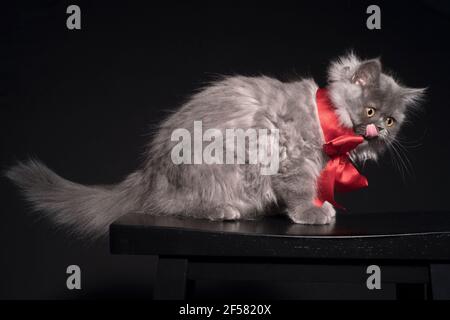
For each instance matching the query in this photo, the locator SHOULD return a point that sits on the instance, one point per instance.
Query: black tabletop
(396, 235)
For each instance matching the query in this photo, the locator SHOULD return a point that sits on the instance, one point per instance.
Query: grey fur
(228, 192)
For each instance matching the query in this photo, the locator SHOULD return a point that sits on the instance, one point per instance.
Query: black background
(84, 102)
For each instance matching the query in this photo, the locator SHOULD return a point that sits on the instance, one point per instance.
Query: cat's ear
(368, 73)
(412, 96)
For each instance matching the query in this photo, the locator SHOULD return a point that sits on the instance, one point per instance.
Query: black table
(412, 250)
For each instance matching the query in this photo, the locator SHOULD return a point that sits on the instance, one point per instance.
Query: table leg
(440, 281)
(171, 279)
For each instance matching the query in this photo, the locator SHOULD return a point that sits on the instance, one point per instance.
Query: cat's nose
(371, 131)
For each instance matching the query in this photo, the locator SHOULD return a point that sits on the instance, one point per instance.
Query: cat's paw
(313, 214)
(225, 212)
(329, 207)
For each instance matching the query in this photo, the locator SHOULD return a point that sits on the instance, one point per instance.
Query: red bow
(339, 173)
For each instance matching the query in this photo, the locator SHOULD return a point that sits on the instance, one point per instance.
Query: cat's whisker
(410, 143)
(404, 152)
(393, 157)
(399, 154)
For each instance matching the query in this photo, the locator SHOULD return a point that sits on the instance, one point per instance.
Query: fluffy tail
(87, 209)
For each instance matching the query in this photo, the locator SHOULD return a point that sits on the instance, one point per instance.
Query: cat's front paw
(225, 212)
(313, 214)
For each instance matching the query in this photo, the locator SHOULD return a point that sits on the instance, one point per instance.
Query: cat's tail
(87, 209)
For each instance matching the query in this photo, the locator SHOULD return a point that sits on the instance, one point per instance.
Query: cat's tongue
(371, 131)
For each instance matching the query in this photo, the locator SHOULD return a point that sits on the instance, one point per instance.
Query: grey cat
(360, 92)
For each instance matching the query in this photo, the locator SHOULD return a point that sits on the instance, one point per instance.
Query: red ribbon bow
(339, 173)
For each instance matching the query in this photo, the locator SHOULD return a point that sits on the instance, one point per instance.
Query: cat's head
(371, 102)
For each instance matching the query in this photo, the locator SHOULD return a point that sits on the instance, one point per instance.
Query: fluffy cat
(362, 95)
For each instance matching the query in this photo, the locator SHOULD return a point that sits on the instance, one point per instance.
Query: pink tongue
(371, 131)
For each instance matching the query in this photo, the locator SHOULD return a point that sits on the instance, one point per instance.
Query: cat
(365, 99)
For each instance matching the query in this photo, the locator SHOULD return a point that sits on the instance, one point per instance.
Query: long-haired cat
(365, 99)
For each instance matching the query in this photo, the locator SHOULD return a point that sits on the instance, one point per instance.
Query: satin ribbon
(339, 173)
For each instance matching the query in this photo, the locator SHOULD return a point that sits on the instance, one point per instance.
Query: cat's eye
(370, 112)
(390, 121)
